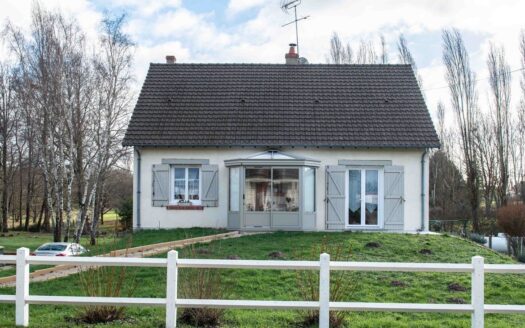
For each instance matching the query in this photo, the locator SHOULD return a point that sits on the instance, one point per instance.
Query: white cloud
(237, 6)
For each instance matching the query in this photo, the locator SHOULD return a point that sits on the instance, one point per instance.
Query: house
(281, 147)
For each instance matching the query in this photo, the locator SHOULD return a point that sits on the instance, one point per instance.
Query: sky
(250, 31)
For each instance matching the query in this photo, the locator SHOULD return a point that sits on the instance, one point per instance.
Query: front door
(257, 197)
(271, 198)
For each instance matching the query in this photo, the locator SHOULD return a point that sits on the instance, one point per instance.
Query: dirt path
(140, 251)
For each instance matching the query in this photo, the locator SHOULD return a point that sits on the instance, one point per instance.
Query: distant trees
(62, 121)
(340, 53)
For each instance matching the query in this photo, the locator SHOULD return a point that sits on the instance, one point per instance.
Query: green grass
(282, 285)
(106, 243)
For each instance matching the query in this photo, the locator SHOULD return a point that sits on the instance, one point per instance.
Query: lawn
(14, 240)
(282, 285)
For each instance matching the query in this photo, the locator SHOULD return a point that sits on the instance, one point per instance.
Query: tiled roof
(281, 105)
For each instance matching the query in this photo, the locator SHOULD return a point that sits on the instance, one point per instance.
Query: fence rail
(22, 299)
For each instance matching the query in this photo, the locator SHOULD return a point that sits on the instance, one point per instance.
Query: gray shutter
(210, 185)
(335, 197)
(394, 198)
(160, 185)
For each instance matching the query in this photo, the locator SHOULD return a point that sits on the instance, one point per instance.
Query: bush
(521, 258)
(201, 284)
(511, 219)
(105, 282)
(477, 238)
(341, 284)
(125, 213)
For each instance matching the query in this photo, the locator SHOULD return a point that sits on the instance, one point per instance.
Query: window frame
(302, 188)
(240, 192)
(186, 168)
(380, 197)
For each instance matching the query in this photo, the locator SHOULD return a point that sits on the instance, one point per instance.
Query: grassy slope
(281, 285)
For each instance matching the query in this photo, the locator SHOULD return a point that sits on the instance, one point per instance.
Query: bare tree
(462, 87)
(340, 53)
(74, 107)
(518, 133)
(366, 53)
(405, 57)
(487, 145)
(500, 84)
(384, 50)
(114, 74)
(7, 124)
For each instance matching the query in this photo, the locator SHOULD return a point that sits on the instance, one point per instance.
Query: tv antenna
(286, 6)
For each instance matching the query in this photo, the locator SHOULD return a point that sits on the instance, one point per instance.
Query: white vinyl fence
(477, 268)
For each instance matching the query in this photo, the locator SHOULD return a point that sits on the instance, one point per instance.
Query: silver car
(59, 249)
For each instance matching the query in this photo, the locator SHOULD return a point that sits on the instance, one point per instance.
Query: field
(282, 285)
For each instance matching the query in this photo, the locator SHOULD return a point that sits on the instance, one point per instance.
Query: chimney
(170, 59)
(292, 57)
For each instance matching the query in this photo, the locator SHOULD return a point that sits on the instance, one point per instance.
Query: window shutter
(210, 185)
(160, 185)
(394, 198)
(335, 197)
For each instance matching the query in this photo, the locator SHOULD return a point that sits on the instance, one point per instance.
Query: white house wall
(160, 217)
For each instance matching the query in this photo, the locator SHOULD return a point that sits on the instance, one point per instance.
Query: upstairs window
(186, 185)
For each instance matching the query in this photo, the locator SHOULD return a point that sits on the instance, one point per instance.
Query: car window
(52, 247)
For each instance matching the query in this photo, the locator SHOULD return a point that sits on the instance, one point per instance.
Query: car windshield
(52, 247)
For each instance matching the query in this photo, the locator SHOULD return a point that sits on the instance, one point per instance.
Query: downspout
(137, 151)
(423, 188)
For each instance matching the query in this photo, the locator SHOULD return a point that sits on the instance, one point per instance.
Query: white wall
(155, 217)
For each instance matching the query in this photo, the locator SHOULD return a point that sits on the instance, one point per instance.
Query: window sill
(185, 207)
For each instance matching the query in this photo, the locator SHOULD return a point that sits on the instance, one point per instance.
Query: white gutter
(423, 188)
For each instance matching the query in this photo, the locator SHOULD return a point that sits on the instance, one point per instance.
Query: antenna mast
(286, 5)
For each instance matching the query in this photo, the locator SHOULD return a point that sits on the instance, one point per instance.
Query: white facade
(153, 217)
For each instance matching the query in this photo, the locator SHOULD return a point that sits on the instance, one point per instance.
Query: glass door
(271, 197)
(257, 197)
(364, 190)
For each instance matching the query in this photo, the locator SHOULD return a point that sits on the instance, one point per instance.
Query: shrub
(105, 281)
(201, 284)
(521, 258)
(511, 219)
(125, 213)
(477, 238)
(341, 283)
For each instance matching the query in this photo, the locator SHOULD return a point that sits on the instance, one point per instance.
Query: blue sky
(249, 31)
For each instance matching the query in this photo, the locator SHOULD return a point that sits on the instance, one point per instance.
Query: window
(285, 190)
(257, 189)
(186, 184)
(234, 188)
(309, 189)
(365, 190)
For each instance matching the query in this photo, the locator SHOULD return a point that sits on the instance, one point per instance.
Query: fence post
(324, 291)
(478, 293)
(22, 287)
(171, 290)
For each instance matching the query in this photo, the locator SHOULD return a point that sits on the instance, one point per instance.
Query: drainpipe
(138, 170)
(423, 188)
